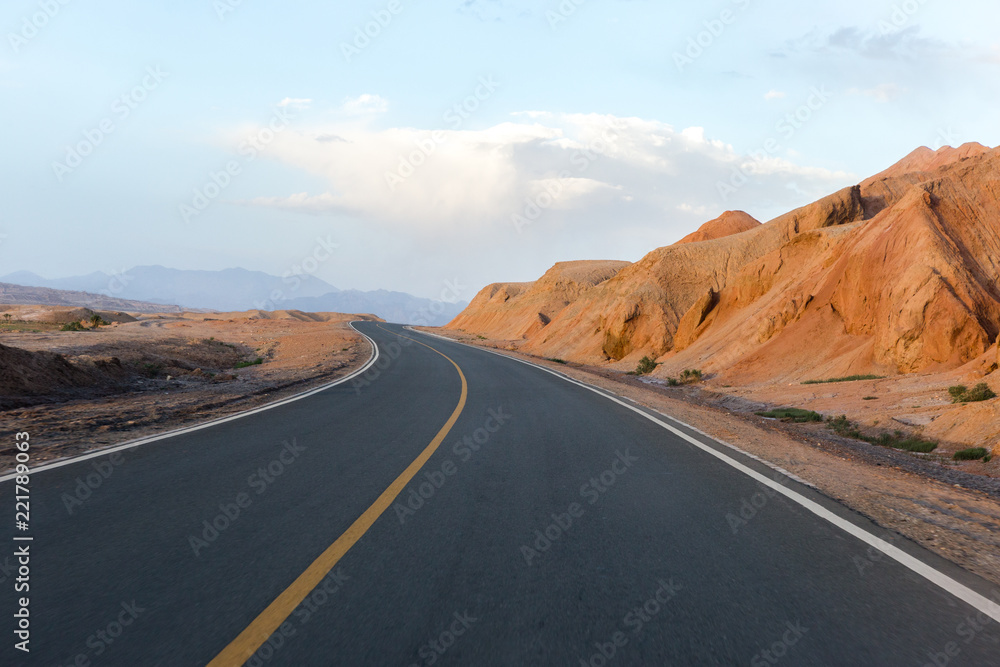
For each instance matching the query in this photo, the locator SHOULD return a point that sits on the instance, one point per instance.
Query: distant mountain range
(228, 290)
(44, 296)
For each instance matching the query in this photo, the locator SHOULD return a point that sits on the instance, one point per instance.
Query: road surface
(455, 507)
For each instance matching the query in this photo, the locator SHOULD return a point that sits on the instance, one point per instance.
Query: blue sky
(226, 133)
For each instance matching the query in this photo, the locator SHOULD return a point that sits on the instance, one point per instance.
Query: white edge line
(213, 422)
(959, 590)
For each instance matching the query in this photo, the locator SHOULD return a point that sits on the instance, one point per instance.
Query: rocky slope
(521, 310)
(30, 377)
(727, 224)
(898, 274)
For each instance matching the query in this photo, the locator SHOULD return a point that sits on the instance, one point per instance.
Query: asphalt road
(551, 526)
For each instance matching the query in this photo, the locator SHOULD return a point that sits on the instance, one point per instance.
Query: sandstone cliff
(898, 274)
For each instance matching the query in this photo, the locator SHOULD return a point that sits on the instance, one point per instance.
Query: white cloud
(364, 105)
(587, 170)
(905, 44)
(774, 95)
(886, 92)
(696, 210)
(991, 55)
(295, 102)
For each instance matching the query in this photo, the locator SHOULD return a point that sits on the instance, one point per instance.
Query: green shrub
(688, 376)
(152, 369)
(842, 426)
(796, 415)
(558, 361)
(958, 391)
(646, 366)
(971, 454)
(245, 364)
(72, 326)
(691, 375)
(914, 444)
(849, 378)
(870, 398)
(981, 392)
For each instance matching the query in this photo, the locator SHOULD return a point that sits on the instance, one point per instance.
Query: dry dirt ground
(950, 508)
(80, 390)
(917, 403)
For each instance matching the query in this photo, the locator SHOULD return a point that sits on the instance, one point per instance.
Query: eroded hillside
(895, 275)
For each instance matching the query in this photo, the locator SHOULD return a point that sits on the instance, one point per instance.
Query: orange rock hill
(898, 274)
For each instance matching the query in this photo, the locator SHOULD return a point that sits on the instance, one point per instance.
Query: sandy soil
(951, 509)
(917, 403)
(174, 370)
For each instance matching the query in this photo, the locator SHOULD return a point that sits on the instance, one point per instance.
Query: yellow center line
(269, 620)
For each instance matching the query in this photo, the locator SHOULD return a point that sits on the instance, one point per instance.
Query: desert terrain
(138, 374)
(894, 280)
(873, 314)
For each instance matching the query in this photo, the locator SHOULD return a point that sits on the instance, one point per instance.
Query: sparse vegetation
(690, 375)
(796, 415)
(842, 426)
(72, 326)
(480, 337)
(246, 364)
(646, 366)
(152, 369)
(849, 378)
(20, 326)
(557, 361)
(961, 393)
(870, 398)
(896, 440)
(971, 454)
